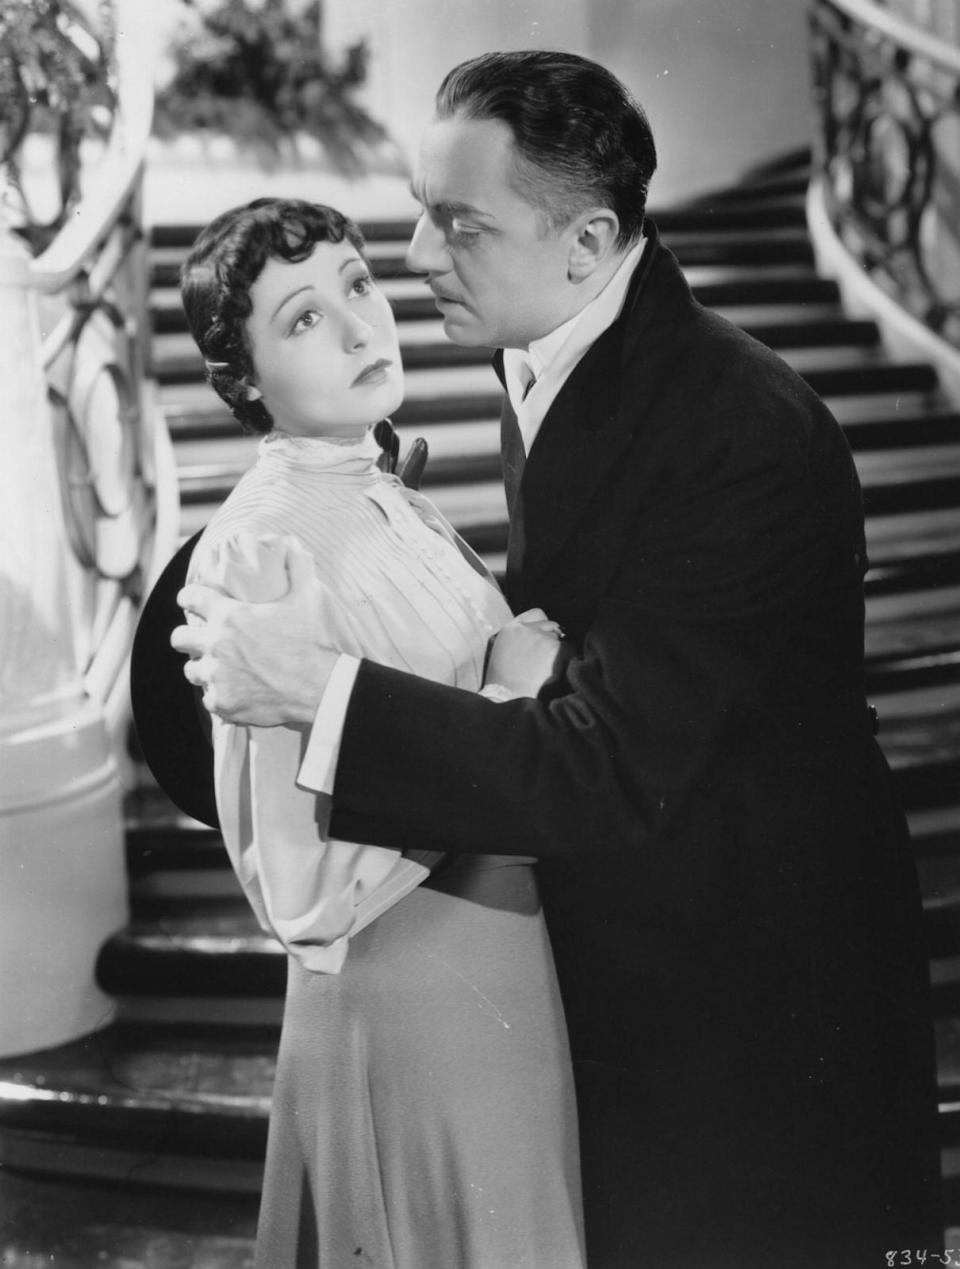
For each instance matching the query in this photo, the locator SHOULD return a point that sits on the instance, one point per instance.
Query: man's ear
(596, 237)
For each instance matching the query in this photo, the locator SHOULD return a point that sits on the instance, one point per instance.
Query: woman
(423, 1110)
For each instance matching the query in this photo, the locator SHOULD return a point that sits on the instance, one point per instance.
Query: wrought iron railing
(888, 100)
(117, 483)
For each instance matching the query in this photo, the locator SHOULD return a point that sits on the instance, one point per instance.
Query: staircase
(144, 1144)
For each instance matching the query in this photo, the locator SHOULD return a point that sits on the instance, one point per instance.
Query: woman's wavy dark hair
(223, 264)
(581, 138)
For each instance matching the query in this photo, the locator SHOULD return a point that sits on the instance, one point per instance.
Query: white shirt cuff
(497, 692)
(318, 771)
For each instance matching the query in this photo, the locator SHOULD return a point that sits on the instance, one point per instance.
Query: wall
(725, 85)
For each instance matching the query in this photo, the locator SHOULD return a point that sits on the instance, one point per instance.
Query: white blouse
(399, 587)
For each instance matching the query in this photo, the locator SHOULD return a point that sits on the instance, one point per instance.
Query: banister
(118, 487)
(914, 39)
(116, 175)
(888, 101)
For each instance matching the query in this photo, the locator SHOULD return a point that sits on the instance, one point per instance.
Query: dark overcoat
(725, 874)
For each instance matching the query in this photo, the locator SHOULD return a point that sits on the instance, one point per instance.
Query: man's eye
(305, 321)
(459, 232)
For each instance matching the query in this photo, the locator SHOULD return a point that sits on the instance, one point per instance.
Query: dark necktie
(514, 455)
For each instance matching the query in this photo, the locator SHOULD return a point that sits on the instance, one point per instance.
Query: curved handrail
(888, 95)
(117, 173)
(903, 33)
(117, 480)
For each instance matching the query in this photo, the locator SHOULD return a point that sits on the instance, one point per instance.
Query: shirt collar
(560, 350)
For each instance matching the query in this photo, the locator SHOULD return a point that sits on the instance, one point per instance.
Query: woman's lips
(376, 372)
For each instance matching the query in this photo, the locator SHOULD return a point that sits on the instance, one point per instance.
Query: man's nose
(427, 252)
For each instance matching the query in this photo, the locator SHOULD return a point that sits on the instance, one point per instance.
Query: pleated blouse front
(397, 586)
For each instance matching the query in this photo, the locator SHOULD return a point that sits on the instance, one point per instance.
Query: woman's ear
(253, 392)
(596, 237)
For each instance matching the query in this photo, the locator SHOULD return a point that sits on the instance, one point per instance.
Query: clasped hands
(263, 664)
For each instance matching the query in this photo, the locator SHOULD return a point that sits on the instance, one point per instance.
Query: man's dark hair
(580, 136)
(223, 264)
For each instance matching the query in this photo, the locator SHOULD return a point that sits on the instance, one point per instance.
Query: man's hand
(259, 664)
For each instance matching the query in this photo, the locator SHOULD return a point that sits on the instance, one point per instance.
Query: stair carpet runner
(144, 1144)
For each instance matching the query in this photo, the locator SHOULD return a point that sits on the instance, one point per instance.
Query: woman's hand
(523, 653)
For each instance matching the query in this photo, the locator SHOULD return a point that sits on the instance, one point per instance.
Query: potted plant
(256, 72)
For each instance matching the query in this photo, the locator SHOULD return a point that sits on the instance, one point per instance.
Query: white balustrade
(87, 516)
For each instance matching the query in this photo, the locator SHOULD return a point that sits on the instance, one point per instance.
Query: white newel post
(62, 873)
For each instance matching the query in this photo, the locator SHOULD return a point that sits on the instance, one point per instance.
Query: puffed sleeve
(310, 890)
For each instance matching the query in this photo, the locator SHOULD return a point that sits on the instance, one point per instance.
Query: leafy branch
(259, 73)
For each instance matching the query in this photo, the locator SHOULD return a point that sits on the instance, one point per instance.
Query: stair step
(158, 836)
(718, 286)
(913, 653)
(79, 1224)
(775, 246)
(788, 188)
(193, 410)
(208, 486)
(910, 623)
(942, 928)
(920, 735)
(948, 1059)
(191, 949)
(130, 1089)
(468, 490)
(424, 345)
(452, 484)
(837, 373)
(870, 423)
(179, 238)
(898, 424)
(714, 285)
(409, 298)
(774, 200)
(912, 552)
(918, 495)
(447, 393)
(935, 832)
(222, 1013)
(477, 510)
(808, 332)
(221, 953)
(786, 209)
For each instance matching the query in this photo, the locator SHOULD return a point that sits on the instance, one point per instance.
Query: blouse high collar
(351, 456)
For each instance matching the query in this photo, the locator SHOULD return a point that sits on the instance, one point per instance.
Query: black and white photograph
(479, 634)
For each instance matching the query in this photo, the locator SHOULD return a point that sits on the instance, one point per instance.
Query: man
(726, 880)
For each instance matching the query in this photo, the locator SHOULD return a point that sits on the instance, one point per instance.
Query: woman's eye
(305, 321)
(362, 285)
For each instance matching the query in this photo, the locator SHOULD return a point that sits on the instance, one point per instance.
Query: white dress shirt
(552, 358)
